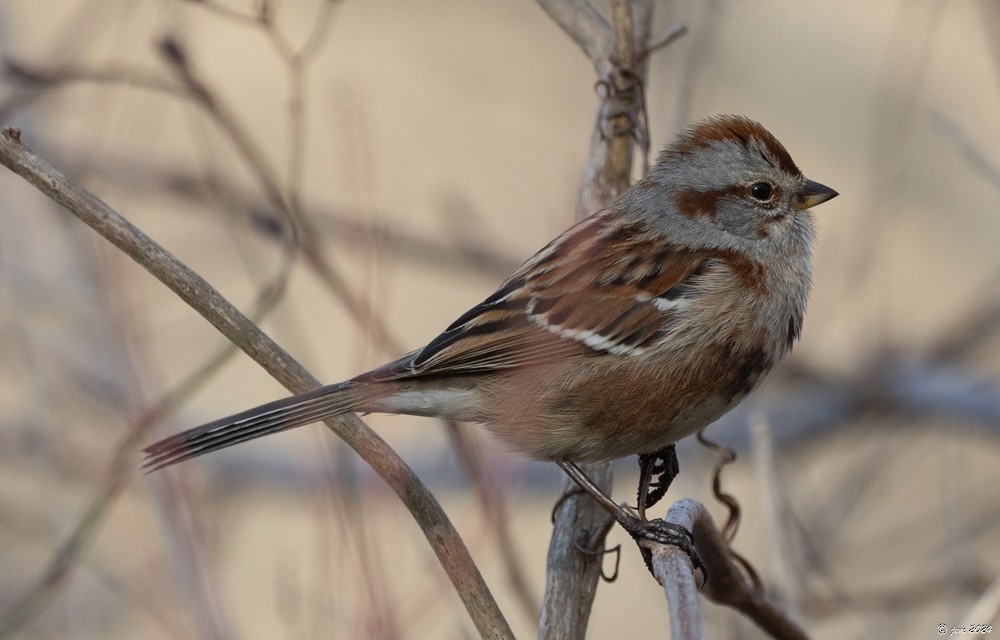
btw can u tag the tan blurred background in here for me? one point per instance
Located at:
(441, 144)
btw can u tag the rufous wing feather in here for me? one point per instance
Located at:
(552, 308)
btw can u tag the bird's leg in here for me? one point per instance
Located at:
(616, 510)
(664, 466)
(657, 530)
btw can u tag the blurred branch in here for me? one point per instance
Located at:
(965, 145)
(37, 80)
(194, 290)
(349, 230)
(790, 589)
(967, 335)
(124, 463)
(42, 78)
(303, 232)
(234, 16)
(495, 512)
(990, 23)
(889, 384)
(188, 85)
(480, 258)
(296, 61)
(982, 321)
(918, 594)
(224, 117)
(664, 39)
(588, 28)
(286, 201)
(492, 503)
(987, 607)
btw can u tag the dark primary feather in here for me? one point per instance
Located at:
(553, 307)
(280, 415)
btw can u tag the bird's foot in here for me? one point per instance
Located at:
(661, 532)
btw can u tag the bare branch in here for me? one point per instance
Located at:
(124, 463)
(790, 589)
(286, 201)
(621, 118)
(988, 605)
(672, 569)
(496, 514)
(573, 565)
(588, 28)
(726, 584)
(664, 39)
(194, 290)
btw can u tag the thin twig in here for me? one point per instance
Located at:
(347, 229)
(664, 39)
(304, 235)
(38, 80)
(231, 15)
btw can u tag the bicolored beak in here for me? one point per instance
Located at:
(812, 194)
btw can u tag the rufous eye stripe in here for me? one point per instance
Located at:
(694, 203)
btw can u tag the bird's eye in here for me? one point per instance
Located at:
(761, 191)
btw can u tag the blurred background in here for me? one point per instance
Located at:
(433, 146)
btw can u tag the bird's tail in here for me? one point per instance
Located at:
(280, 415)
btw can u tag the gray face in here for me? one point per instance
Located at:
(728, 174)
(759, 196)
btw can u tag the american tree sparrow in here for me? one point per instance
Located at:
(636, 327)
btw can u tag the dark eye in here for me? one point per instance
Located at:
(761, 191)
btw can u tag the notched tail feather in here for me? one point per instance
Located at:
(272, 417)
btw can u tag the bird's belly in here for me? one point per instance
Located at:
(622, 406)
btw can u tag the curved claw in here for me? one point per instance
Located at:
(663, 532)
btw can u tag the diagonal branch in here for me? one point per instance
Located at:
(193, 289)
(304, 232)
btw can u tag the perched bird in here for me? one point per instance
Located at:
(636, 327)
